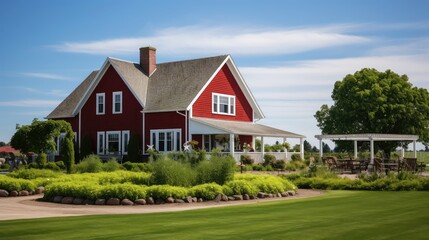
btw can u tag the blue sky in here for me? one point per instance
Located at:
(289, 52)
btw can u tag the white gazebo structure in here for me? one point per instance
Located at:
(368, 137)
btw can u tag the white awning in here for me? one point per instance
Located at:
(368, 137)
(214, 126)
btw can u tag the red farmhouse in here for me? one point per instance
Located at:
(166, 105)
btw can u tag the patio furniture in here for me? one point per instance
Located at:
(332, 163)
(410, 164)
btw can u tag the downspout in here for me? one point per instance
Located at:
(186, 123)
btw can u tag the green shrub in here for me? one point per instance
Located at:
(33, 165)
(242, 187)
(217, 169)
(4, 166)
(279, 164)
(269, 168)
(111, 165)
(206, 191)
(90, 164)
(138, 178)
(33, 173)
(296, 157)
(121, 191)
(170, 172)
(138, 167)
(41, 159)
(52, 166)
(165, 191)
(268, 183)
(11, 184)
(269, 159)
(257, 167)
(61, 165)
(246, 159)
(84, 190)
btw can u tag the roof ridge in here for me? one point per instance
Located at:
(194, 59)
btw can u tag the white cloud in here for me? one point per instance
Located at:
(52, 92)
(46, 76)
(220, 40)
(30, 103)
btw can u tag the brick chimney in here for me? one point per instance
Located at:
(148, 59)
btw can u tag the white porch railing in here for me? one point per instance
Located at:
(258, 156)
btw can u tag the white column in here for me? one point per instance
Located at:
(320, 149)
(414, 149)
(262, 147)
(231, 143)
(301, 147)
(371, 149)
(356, 152)
(402, 151)
(284, 140)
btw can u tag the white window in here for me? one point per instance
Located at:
(100, 143)
(117, 102)
(125, 140)
(100, 104)
(166, 140)
(223, 104)
(113, 142)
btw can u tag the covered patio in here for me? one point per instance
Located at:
(213, 133)
(369, 137)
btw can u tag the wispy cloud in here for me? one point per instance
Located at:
(215, 40)
(46, 76)
(30, 103)
(51, 92)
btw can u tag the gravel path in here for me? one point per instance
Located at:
(28, 207)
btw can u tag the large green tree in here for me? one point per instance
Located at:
(40, 137)
(370, 101)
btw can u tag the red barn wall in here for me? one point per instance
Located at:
(131, 118)
(224, 83)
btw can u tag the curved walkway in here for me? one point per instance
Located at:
(28, 207)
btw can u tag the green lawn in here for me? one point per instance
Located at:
(336, 215)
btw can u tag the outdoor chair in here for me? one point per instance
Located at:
(378, 165)
(410, 164)
(332, 163)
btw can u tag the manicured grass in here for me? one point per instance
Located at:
(336, 215)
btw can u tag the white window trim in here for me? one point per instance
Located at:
(156, 143)
(229, 104)
(113, 102)
(127, 132)
(107, 141)
(97, 103)
(101, 151)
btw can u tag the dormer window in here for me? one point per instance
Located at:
(117, 102)
(223, 104)
(100, 104)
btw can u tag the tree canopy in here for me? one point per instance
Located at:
(40, 136)
(370, 101)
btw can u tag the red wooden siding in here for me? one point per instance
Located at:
(224, 83)
(163, 120)
(130, 119)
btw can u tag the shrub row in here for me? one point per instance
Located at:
(245, 184)
(14, 184)
(380, 184)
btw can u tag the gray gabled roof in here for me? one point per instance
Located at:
(132, 74)
(245, 128)
(174, 85)
(66, 107)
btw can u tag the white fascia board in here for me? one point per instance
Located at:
(91, 87)
(246, 90)
(207, 83)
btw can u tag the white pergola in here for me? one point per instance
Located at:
(368, 137)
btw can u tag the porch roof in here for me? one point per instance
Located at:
(369, 137)
(243, 128)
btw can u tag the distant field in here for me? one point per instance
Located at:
(336, 215)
